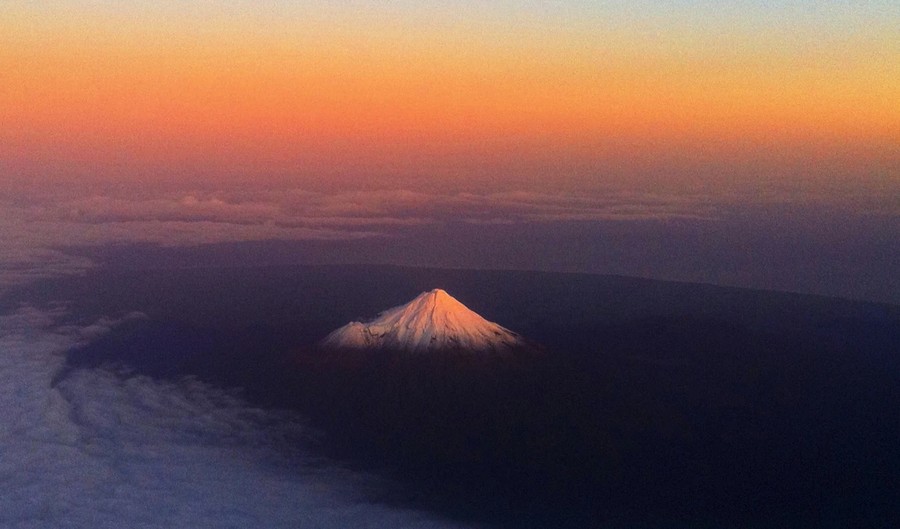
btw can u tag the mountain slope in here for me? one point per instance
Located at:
(433, 321)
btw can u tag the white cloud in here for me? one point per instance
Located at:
(102, 450)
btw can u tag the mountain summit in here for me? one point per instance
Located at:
(433, 321)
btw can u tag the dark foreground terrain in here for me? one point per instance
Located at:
(653, 404)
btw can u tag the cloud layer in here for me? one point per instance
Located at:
(99, 449)
(39, 231)
(36, 232)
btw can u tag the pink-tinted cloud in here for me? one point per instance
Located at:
(35, 231)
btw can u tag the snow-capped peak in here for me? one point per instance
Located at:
(433, 321)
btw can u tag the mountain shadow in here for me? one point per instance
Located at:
(652, 405)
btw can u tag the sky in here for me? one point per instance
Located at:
(197, 122)
(464, 95)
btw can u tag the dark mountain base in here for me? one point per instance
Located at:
(562, 440)
(654, 405)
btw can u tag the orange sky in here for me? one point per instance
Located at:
(338, 99)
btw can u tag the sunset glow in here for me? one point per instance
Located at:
(580, 98)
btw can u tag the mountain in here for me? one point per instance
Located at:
(433, 321)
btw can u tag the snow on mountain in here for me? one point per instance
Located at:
(433, 321)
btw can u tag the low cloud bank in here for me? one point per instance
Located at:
(768, 239)
(36, 230)
(99, 449)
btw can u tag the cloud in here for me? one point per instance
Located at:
(350, 210)
(100, 449)
(36, 232)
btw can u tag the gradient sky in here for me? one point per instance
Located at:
(568, 95)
